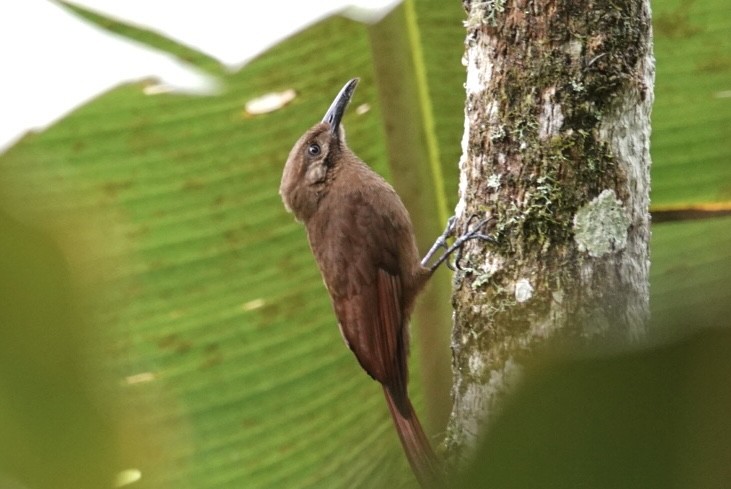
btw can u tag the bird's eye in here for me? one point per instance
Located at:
(313, 149)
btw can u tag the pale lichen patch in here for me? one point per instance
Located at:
(523, 290)
(600, 227)
(476, 364)
(484, 12)
(493, 181)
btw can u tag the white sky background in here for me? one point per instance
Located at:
(53, 61)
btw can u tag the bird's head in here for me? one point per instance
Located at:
(314, 158)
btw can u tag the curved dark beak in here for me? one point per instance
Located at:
(334, 114)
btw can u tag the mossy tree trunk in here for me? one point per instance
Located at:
(556, 150)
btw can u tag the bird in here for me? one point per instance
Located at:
(363, 241)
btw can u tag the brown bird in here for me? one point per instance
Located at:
(363, 241)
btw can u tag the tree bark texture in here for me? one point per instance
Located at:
(556, 151)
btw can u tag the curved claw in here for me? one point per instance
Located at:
(474, 233)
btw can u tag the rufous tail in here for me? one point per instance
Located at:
(421, 457)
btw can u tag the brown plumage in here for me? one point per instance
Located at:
(363, 241)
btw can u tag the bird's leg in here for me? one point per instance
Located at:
(441, 242)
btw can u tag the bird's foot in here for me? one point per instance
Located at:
(441, 243)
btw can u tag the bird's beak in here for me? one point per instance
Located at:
(335, 113)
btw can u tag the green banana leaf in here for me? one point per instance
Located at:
(691, 119)
(209, 352)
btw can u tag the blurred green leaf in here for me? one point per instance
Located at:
(204, 297)
(651, 418)
(689, 276)
(441, 35)
(54, 430)
(691, 119)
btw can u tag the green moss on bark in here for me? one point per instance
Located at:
(576, 60)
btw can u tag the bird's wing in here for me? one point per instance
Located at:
(363, 280)
(370, 321)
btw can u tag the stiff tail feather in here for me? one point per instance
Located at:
(421, 457)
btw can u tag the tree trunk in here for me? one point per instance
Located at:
(556, 151)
